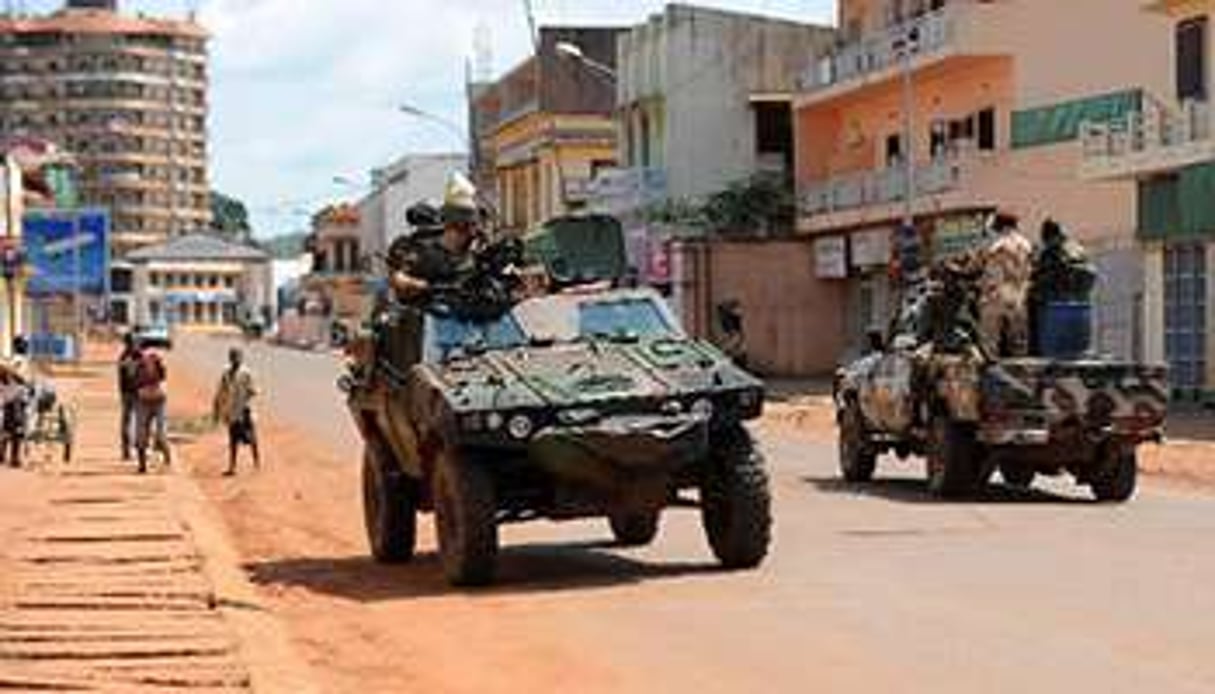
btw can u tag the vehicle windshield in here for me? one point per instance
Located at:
(566, 318)
(448, 336)
(634, 317)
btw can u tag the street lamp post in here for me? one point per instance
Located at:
(575, 52)
(448, 125)
(906, 46)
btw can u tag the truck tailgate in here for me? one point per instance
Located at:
(1031, 400)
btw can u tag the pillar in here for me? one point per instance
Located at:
(1153, 304)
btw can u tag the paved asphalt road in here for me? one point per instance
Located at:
(876, 589)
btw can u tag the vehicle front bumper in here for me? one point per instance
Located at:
(617, 450)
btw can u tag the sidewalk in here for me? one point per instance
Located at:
(114, 581)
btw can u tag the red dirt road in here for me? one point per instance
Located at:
(871, 590)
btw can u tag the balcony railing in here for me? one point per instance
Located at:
(1157, 129)
(876, 52)
(881, 187)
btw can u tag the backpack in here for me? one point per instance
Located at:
(149, 374)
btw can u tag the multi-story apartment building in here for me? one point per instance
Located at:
(995, 91)
(1168, 149)
(705, 94)
(127, 96)
(546, 128)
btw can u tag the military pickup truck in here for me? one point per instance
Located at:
(970, 415)
(570, 405)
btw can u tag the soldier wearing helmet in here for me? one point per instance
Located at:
(448, 257)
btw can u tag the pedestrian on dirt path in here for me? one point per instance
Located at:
(15, 381)
(150, 402)
(233, 407)
(128, 370)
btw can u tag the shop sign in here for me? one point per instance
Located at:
(831, 258)
(957, 234)
(871, 248)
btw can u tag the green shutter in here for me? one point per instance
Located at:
(1196, 193)
(1159, 216)
(1061, 122)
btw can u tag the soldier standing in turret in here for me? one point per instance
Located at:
(1006, 264)
(448, 257)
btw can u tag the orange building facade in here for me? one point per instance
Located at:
(997, 92)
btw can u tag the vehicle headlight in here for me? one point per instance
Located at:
(494, 421)
(703, 408)
(672, 407)
(520, 426)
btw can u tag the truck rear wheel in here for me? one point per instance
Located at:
(953, 468)
(635, 528)
(389, 510)
(858, 460)
(465, 520)
(1117, 474)
(736, 505)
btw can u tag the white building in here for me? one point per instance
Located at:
(704, 97)
(199, 281)
(395, 188)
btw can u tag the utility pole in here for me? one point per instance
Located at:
(908, 241)
(906, 46)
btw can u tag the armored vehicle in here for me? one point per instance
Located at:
(926, 391)
(586, 403)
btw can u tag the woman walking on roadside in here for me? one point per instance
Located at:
(150, 403)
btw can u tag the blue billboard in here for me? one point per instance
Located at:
(68, 251)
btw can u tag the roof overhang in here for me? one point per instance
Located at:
(771, 98)
(1179, 7)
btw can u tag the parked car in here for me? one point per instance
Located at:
(156, 335)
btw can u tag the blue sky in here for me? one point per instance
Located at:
(305, 90)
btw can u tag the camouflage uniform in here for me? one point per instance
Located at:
(1007, 266)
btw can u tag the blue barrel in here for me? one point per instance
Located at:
(1065, 329)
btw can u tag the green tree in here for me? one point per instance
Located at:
(230, 217)
(761, 205)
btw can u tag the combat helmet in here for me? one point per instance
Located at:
(460, 200)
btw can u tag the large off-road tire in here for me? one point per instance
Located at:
(389, 510)
(635, 528)
(858, 459)
(465, 519)
(953, 459)
(1117, 474)
(736, 504)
